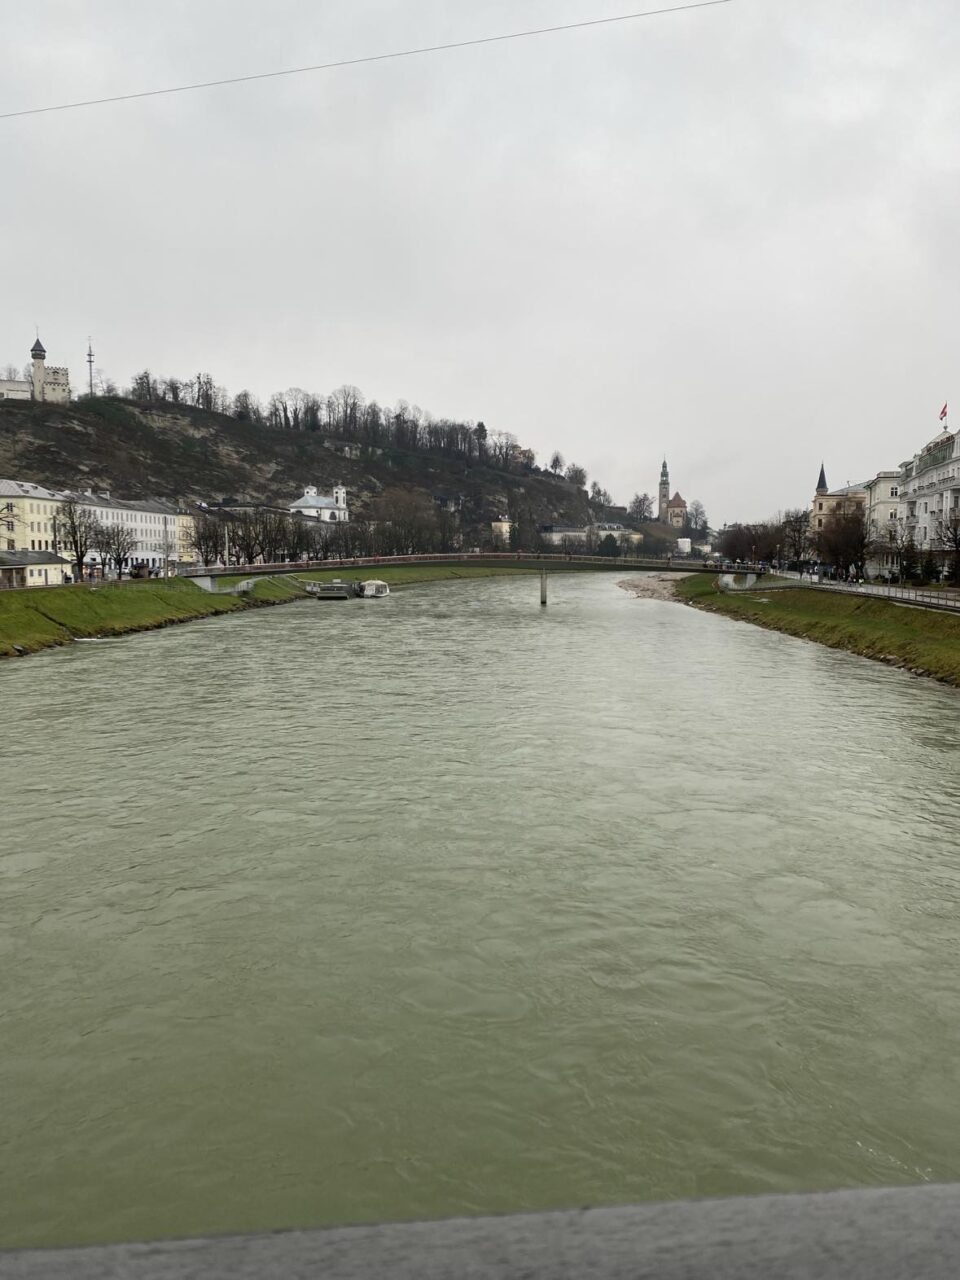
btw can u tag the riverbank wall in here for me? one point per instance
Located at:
(921, 641)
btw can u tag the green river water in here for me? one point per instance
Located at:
(448, 904)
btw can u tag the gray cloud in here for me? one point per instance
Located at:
(727, 235)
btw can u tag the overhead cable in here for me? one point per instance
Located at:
(355, 62)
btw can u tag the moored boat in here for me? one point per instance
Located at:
(373, 589)
(338, 589)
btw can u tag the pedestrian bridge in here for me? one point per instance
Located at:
(512, 559)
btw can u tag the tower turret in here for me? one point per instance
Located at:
(822, 486)
(663, 492)
(38, 372)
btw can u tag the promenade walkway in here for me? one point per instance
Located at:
(945, 599)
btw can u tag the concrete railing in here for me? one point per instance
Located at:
(888, 1234)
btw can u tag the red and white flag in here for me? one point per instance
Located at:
(943, 413)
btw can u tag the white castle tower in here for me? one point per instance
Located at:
(53, 384)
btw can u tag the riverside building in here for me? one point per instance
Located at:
(883, 520)
(161, 532)
(826, 501)
(930, 490)
(27, 516)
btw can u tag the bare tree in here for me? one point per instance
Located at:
(796, 534)
(207, 538)
(406, 523)
(556, 463)
(245, 537)
(144, 386)
(641, 508)
(74, 528)
(101, 543)
(696, 517)
(576, 475)
(122, 542)
(298, 538)
(844, 541)
(948, 536)
(273, 528)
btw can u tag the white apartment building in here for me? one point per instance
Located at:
(154, 525)
(930, 489)
(883, 519)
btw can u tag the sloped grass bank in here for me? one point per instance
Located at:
(48, 616)
(921, 640)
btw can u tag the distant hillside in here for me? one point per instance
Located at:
(184, 453)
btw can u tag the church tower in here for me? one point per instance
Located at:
(664, 497)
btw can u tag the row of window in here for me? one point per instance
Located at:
(128, 517)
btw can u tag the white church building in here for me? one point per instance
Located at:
(51, 385)
(314, 505)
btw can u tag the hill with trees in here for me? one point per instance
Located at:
(189, 441)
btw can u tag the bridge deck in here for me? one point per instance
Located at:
(520, 560)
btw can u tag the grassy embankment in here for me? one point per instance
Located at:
(46, 616)
(922, 640)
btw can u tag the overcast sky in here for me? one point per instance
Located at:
(729, 235)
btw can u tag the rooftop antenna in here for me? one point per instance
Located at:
(90, 363)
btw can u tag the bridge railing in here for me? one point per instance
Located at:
(944, 598)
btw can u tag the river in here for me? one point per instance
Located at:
(448, 904)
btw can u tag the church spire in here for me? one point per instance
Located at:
(822, 486)
(663, 493)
